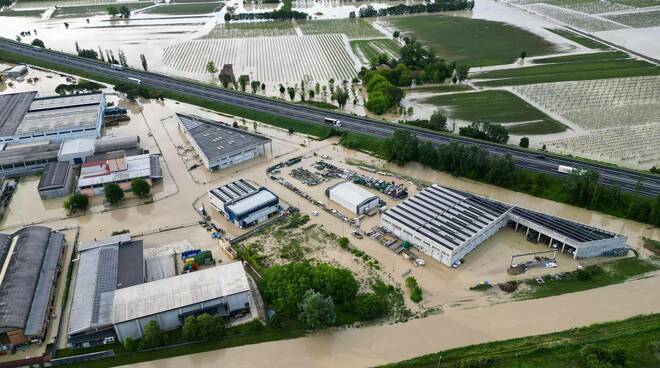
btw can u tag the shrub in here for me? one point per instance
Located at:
(130, 345)
(343, 242)
(113, 193)
(140, 187)
(369, 306)
(153, 336)
(317, 311)
(76, 202)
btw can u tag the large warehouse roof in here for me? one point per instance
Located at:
(352, 193)
(36, 152)
(179, 291)
(234, 191)
(13, 108)
(27, 273)
(252, 202)
(103, 267)
(217, 140)
(451, 217)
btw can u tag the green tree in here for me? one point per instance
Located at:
(211, 68)
(153, 336)
(369, 306)
(143, 60)
(130, 345)
(462, 72)
(341, 95)
(125, 12)
(76, 202)
(140, 187)
(255, 86)
(210, 326)
(88, 53)
(243, 81)
(396, 34)
(523, 55)
(112, 10)
(438, 121)
(343, 242)
(415, 290)
(524, 142)
(292, 93)
(227, 17)
(113, 193)
(402, 147)
(316, 310)
(37, 42)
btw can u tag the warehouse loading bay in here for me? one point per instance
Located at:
(174, 218)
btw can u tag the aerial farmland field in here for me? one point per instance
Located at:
(268, 59)
(258, 29)
(473, 41)
(367, 50)
(640, 19)
(353, 28)
(185, 9)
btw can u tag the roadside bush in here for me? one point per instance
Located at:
(76, 202)
(594, 356)
(153, 336)
(82, 86)
(475, 363)
(130, 345)
(343, 242)
(587, 273)
(415, 290)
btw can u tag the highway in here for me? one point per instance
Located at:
(626, 179)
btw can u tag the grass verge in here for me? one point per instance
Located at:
(185, 9)
(595, 56)
(591, 277)
(638, 336)
(315, 130)
(579, 39)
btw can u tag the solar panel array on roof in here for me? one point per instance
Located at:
(234, 191)
(572, 230)
(447, 217)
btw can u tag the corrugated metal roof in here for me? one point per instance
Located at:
(114, 170)
(13, 108)
(55, 175)
(179, 291)
(351, 193)
(248, 204)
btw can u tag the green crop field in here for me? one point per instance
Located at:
(82, 11)
(258, 29)
(185, 9)
(584, 41)
(21, 13)
(352, 28)
(473, 41)
(443, 88)
(596, 56)
(496, 107)
(638, 337)
(368, 50)
(638, 3)
(568, 71)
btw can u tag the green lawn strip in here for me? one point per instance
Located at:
(88, 10)
(591, 277)
(236, 336)
(320, 105)
(637, 335)
(539, 127)
(185, 9)
(596, 56)
(572, 76)
(473, 41)
(371, 49)
(556, 69)
(315, 130)
(492, 106)
(579, 39)
(22, 13)
(439, 88)
(638, 3)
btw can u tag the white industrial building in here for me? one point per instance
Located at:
(121, 171)
(244, 204)
(220, 145)
(352, 197)
(221, 290)
(25, 117)
(76, 151)
(447, 224)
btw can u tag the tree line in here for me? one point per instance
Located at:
(402, 9)
(581, 188)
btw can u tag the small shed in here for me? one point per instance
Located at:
(352, 197)
(76, 151)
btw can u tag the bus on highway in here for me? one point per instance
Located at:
(138, 81)
(332, 122)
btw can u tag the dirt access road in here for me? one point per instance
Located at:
(371, 346)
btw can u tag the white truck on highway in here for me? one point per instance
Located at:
(116, 66)
(138, 81)
(332, 122)
(565, 169)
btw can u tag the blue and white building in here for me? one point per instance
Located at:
(244, 204)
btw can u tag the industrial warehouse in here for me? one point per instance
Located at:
(447, 224)
(244, 204)
(30, 261)
(219, 145)
(103, 267)
(222, 290)
(26, 118)
(352, 197)
(96, 174)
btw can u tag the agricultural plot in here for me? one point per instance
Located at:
(574, 19)
(82, 11)
(639, 19)
(22, 13)
(589, 6)
(600, 104)
(367, 50)
(579, 39)
(638, 3)
(245, 30)
(568, 71)
(185, 9)
(499, 107)
(476, 42)
(636, 145)
(354, 29)
(596, 56)
(268, 59)
(61, 3)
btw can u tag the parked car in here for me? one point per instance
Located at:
(357, 235)
(315, 213)
(419, 262)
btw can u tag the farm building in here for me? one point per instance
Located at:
(222, 290)
(31, 159)
(17, 71)
(56, 180)
(103, 267)
(447, 224)
(244, 204)
(352, 197)
(25, 117)
(30, 262)
(94, 175)
(219, 145)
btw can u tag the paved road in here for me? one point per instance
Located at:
(625, 179)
